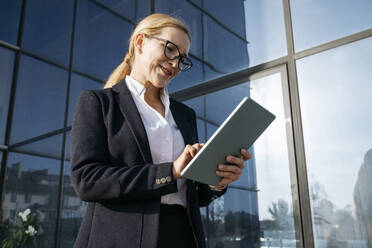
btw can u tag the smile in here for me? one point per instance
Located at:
(166, 70)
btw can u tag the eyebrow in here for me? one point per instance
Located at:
(159, 38)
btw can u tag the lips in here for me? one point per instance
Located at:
(167, 71)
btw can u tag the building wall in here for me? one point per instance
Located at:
(308, 62)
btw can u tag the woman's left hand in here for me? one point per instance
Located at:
(231, 173)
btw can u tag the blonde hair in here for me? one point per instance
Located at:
(151, 25)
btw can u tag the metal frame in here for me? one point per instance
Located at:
(302, 180)
(302, 207)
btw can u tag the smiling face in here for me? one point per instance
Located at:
(151, 67)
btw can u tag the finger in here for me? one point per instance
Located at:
(188, 151)
(229, 168)
(246, 155)
(197, 146)
(235, 160)
(193, 151)
(224, 182)
(228, 175)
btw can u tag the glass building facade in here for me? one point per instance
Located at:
(308, 62)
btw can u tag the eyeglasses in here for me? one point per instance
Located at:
(172, 52)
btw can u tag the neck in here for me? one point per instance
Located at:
(152, 93)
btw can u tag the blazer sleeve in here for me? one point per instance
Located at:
(94, 177)
(205, 194)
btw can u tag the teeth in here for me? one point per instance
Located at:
(167, 71)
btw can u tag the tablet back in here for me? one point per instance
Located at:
(240, 130)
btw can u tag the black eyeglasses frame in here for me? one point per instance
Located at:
(179, 57)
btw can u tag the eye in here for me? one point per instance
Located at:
(169, 48)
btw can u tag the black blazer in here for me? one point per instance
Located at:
(112, 169)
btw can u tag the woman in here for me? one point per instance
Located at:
(130, 142)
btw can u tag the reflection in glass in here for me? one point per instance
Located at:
(9, 17)
(6, 72)
(67, 150)
(50, 147)
(317, 22)
(222, 49)
(72, 212)
(190, 15)
(265, 30)
(257, 209)
(197, 104)
(47, 29)
(222, 10)
(32, 182)
(78, 84)
(101, 40)
(40, 99)
(336, 117)
(143, 9)
(124, 7)
(188, 78)
(73, 209)
(201, 130)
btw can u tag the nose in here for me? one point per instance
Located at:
(174, 63)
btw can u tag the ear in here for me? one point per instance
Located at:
(139, 41)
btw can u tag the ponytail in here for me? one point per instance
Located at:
(120, 72)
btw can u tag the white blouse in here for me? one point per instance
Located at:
(165, 139)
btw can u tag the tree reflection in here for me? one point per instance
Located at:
(334, 227)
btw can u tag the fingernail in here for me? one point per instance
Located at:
(220, 166)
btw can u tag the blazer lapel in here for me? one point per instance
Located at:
(132, 116)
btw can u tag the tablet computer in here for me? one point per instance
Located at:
(240, 130)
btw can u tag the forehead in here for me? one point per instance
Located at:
(177, 36)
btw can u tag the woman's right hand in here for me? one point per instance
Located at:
(188, 153)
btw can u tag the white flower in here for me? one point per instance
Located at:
(24, 214)
(30, 230)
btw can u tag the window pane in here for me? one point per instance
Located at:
(78, 84)
(318, 22)
(9, 17)
(230, 13)
(73, 210)
(197, 2)
(50, 147)
(32, 182)
(40, 99)
(6, 72)
(264, 20)
(101, 40)
(123, 7)
(257, 210)
(197, 104)
(47, 29)
(336, 117)
(188, 78)
(143, 9)
(201, 130)
(223, 50)
(67, 151)
(189, 14)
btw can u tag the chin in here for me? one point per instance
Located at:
(161, 83)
